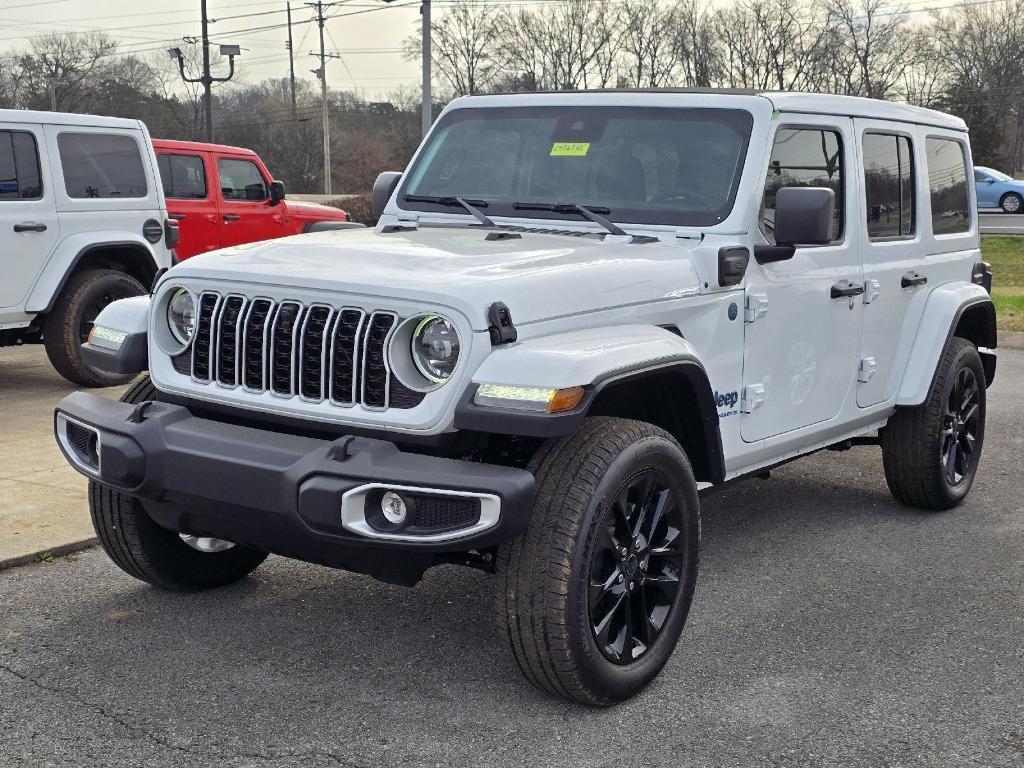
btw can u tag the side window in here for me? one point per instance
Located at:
(947, 183)
(979, 176)
(889, 185)
(19, 166)
(241, 180)
(183, 176)
(805, 157)
(101, 165)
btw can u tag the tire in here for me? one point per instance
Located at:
(548, 575)
(68, 323)
(150, 553)
(1011, 202)
(925, 448)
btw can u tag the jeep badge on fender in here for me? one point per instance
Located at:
(548, 344)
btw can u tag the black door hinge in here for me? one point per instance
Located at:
(502, 330)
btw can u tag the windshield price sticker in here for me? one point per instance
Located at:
(570, 149)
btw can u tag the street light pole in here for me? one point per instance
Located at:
(207, 79)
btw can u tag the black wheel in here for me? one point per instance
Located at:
(1011, 202)
(150, 553)
(67, 326)
(931, 452)
(594, 595)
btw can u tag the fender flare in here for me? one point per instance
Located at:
(945, 307)
(65, 260)
(598, 360)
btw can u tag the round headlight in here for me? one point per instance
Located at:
(435, 348)
(181, 316)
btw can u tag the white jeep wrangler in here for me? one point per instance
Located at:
(82, 224)
(577, 311)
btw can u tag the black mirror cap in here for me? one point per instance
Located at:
(276, 192)
(383, 188)
(803, 215)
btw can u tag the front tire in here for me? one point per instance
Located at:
(594, 595)
(1011, 203)
(151, 553)
(931, 452)
(67, 326)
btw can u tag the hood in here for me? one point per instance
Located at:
(314, 210)
(539, 276)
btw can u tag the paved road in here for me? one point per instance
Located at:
(1001, 224)
(830, 627)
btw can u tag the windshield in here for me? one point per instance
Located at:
(637, 165)
(997, 175)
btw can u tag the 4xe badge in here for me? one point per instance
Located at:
(727, 400)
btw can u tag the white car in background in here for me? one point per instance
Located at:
(82, 224)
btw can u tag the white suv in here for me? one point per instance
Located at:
(82, 224)
(578, 310)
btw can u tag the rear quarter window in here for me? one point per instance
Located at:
(947, 185)
(101, 165)
(19, 167)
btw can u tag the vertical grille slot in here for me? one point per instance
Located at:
(282, 348)
(376, 375)
(313, 352)
(254, 344)
(345, 356)
(202, 345)
(229, 340)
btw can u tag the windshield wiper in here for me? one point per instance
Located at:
(592, 213)
(470, 206)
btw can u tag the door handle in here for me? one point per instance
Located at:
(845, 288)
(30, 227)
(177, 216)
(913, 279)
(230, 217)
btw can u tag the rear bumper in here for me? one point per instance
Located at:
(297, 496)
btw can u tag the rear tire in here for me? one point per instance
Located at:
(1011, 203)
(151, 553)
(67, 325)
(931, 452)
(594, 595)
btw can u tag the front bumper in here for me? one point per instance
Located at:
(297, 496)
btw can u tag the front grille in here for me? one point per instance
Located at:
(315, 352)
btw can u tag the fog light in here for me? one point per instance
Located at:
(392, 506)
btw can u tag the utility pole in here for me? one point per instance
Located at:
(428, 109)
(207, 79)
(322, 74)
(291, 59)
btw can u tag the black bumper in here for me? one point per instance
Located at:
(276, 491)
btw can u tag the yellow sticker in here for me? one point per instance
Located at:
(570, 149)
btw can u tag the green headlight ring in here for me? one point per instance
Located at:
(420, 326)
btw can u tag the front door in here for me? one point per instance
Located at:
(29, 227)
(800, 342)
(245, 209)
(190, 201)
(891, 250)
(985, 185)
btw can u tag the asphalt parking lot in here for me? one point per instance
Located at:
(830, 627)
(1001, 223)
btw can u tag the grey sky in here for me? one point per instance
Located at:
(367, 37)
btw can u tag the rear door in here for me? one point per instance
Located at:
(29, 226)
(246, 214)
(185, 176)
(892, 252)
(800, 343)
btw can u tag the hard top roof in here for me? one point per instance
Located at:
(782, 101)
(66, 118)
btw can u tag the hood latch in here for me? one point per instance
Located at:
(501, 328)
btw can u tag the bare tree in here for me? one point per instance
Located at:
(647, 43)
(871, 43)
(463, 44)
(695, 45)
(66, 62)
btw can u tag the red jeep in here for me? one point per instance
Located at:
(241, 205)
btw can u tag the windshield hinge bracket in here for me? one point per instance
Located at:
(756, 307)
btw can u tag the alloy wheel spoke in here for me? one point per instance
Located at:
(598, 589)
(950, 462)
(604, 625)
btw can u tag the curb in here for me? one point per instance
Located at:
(1010, 339)
(58, 551)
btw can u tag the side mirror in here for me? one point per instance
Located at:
(989, 180)
(803, 216)
(276, 192)
(383, 188)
